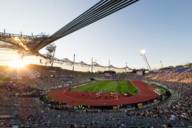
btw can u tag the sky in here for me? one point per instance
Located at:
(162, 27)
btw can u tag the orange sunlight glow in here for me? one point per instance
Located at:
(17, 64)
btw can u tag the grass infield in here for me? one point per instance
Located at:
(120, 86)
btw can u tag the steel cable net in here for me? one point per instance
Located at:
(95, 13)
(20, 41)
(32, 44)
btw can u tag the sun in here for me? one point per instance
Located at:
(17, 64)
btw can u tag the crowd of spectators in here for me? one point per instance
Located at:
(177, 109)
(28, 111)
(178, 74)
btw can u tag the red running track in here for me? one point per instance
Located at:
(145, 93)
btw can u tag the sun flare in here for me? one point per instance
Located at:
(17, 64)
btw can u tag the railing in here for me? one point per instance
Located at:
(3, 34)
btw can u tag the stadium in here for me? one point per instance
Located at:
(105, 94)
(39, 90)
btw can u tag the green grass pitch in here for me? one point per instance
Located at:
(121, 86)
